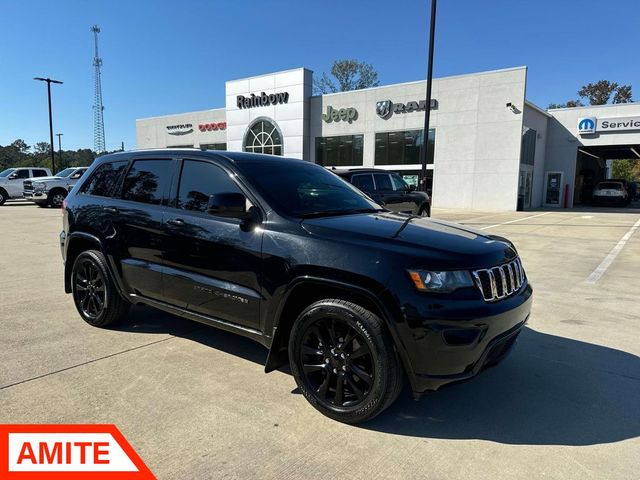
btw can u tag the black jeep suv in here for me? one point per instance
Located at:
(354, 297)
(388, 189)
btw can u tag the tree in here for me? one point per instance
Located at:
(349, 74)
(569, 104)
(599, 93)
(626, 169)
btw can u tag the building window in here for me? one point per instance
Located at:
(528, 146)
(181, 146)
(263, 137)
(402, 148)
(342, 151)
(213, 146)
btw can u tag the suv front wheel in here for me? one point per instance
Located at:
(94, 293)
(343, 361)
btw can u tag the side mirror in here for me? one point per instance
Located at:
(230, 205)
(13, 176)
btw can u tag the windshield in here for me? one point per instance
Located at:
(7, 172)
(610, 186)
(65, 173)
(302, 189)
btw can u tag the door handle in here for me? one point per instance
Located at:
(176, 222)
(110, 209)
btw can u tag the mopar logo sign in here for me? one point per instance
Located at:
(586, 125)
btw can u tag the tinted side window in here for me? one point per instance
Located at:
(40, 173)
(398, 183)
(105, 179)
(198, 181)
(146, 181)
(23, 173)
(363, 182)
(383, 182)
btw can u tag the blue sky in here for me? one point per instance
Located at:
(164, 57)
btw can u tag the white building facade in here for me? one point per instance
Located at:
(488, 148)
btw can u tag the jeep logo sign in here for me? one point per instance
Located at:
(344, 114)
(586, 125)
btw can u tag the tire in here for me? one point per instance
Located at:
(425, 210)
(94, 292)
(3, 196)
(336, 345)
(56, 197)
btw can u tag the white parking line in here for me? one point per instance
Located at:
(517, 220)
(608, 260)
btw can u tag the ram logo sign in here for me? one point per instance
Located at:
(586, 125)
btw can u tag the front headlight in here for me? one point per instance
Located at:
(40, 186)
(440, 282)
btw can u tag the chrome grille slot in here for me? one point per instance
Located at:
(500, 282)
(27, 185)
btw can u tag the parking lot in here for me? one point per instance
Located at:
(195, 403)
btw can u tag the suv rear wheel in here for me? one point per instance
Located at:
(94, 293)
(343, 361)
(3, 196)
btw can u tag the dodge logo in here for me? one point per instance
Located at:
(383, 108)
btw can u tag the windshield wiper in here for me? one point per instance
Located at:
(333, 213)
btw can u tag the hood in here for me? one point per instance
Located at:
(44, 179)
(436, 242)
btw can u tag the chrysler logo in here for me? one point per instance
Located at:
(181, 129)
(383, 108)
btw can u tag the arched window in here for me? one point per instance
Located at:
(263, 136)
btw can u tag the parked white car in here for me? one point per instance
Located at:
(52, 190)
(11, 181)
(610, 192)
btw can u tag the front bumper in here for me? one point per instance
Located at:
(37, 197)
(452, 349)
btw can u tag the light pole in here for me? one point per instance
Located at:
(59, 143)
(49, 82)
(427, 113)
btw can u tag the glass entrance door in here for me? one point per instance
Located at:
(553, 189)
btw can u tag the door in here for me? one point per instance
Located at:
(524, 188)
(212, 266)
(553, 189)
(406, 202)
(14, 185)
(384, 189)
(137, 218)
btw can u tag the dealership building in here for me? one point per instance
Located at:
(488, 147)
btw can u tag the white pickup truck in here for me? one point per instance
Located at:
(52, 191)
(11, 181)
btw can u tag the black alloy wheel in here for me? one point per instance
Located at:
(91, 290)
(344, 361)
(337, 362)
(94, 293)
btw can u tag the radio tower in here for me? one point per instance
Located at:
(98, 108)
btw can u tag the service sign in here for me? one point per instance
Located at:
(590, 125)
(68, 452)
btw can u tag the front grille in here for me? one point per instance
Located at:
(27, 185)
(499, 282)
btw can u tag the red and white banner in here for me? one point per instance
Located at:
(35, 452)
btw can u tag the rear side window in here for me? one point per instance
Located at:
(40, 173)
(147, 181)
(363, 182)
(383, 181)
(198, 181)
(105, 179)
